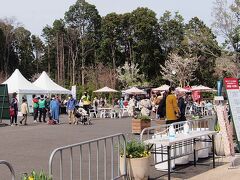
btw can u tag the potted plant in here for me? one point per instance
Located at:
(36, 176)
(139, 123)
(137, 160)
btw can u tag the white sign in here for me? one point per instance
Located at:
(74, 91)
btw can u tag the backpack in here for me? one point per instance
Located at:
(11, 111)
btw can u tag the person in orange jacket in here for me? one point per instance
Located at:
(172, 110)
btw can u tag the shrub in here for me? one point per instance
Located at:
(135, 149)
(36, 176)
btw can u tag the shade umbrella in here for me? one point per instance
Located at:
(179, 89)
(162, 88)
(201, 88)
(105, 89)
(134, 90)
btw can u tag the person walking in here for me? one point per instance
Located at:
(54, 109)
(181, 106)
(14, 109)
(42, 108)
(71, 103)
(35, 107)
(172, 110)
(24, 111)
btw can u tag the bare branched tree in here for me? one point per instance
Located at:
(178, 70)
(226, 65)
(129, 75)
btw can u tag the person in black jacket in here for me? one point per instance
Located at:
(181, 106)
(161, 111)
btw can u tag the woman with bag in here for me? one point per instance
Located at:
(13, 109)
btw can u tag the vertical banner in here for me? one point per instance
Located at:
(74, 91)
(233, 93)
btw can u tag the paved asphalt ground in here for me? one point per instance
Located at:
(29, 147)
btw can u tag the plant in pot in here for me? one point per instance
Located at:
(137, 160)
(140, 122)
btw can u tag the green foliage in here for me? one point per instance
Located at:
(135, 149)
(143, 118)
(36, 176)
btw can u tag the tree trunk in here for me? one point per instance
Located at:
(49, 65)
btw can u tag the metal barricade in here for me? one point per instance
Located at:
(9, 167)
(105, 152)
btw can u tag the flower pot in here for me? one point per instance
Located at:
(137, 168)
(138, 125)
(219, 145)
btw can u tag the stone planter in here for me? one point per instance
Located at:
(138, 125)
(137, 168)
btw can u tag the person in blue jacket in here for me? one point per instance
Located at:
(71, 103)
(54, 109)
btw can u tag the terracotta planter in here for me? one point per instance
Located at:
(138, 125)
(137, 168)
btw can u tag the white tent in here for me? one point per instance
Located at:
(134, 90)
(201, 88)
(19, 84)
(162, 88)
(105, 89)
(46, 83)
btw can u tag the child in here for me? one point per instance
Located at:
(24, 111)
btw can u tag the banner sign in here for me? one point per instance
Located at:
(74, 91)
(233, 93)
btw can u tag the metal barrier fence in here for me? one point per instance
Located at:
(9, 167)
(89, 151)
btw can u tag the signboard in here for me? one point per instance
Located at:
(233, 93)
(74, 91)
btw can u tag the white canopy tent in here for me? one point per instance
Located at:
(202, 88)
(105, 89)
(46, 83)
(134, 90)
(19, 84)
(162, 88)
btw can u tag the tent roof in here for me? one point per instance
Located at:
(106, 89)
(18, 83)
(134, 90)
(201, 88)
(46, 83)
(162, 88)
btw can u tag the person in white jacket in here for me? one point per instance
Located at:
(24, 111)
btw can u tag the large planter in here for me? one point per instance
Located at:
(137, 168)
(138, 125)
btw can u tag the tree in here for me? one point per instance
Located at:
(24, 51)
(178, 70)
(171, 32)
(129, 75)
(201, 42)
(38, 48)
(85, 18)
(227, 22)
(226, 66)
(146, 50)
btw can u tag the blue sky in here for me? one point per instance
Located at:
(34, 15)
